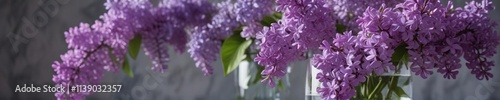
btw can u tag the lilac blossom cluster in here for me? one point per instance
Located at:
(103, 45)
(250, 13)
(347, 11)
(206, 40)
(434, 36)
(83, 63)
(304, 25)
(437, 36)
(168, 26)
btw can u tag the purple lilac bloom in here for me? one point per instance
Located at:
(203, 49)
(90, 47)
(348, 11)
(83, 63)
(424, 22)
(167, 25)
(341, 67)
(441, 35)
(103, 45)
(276, 52)
(250, 13)
(205, 42)
(154, 41)
(303, 26)
(480, 39)
(345, 63)
(308, 21)
(435, 36)
(380, 36)
(121, 23)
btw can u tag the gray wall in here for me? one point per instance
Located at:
(28, 60)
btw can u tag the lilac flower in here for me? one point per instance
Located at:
(224, 22)
(276, 52)
(186, 13)
(442, 35)
(83, 37)
(425, 20)
(154, 42)
(206, 40)
(303, 26)
(342, 67)
(83, 63)
(103, 45)
(348, 11)
(204, 49)
(309, 22)
(175, 16)
(434, 36)
(167, 25)
(480, 39)
(250, 13)
(120, 24)
(251, 30)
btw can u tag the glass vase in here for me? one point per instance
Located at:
(392, 85)
(251, 87)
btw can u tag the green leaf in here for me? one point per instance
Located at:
(233, 52)
(407, 82)
(400, 56)
(126, 68)
(393, 84)
(277, 15)
(240, 98)
(281, 86)
(405, 59)
(267, 21)
(134, 46)
(273, 18)
(340, 28)
(400, 92)
(359, 94)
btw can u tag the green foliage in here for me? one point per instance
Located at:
(273, 18)
(400, 56)
(134, 46)
(233, 51)
(340, 28)
(126, 68)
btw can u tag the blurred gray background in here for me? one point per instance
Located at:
(31, 39)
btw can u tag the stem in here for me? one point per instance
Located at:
(393, 83)
(367, 85)
(376, 88)
(358, 92)
(388, 96)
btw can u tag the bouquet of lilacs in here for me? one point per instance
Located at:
(350, 40)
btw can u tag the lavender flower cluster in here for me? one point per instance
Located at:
(206, 40)
(250, 13)
(347, 11)
(305, 23)
(435, 37)
(103, 45)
